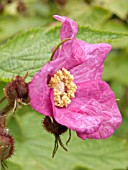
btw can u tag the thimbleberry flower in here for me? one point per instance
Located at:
(71, 90)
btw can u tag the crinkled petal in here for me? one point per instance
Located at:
(75, 118)
(38, 88)
(71, 51)
(106, 129)
(83, 136)
(66, 51)
(93, 105)
(93, 56)
(68, 30)
(69, 27)
(109, 110)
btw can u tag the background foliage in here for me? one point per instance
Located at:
(27, 34)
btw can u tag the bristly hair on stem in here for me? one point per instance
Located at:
(3, 165)
(2, 99)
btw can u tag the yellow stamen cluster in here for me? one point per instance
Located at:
(64, 87)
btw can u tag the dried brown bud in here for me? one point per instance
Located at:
(17, 89)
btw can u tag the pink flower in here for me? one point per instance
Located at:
(92, 112)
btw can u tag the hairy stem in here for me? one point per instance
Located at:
(3, 98)
(6, 109)
(2, 121)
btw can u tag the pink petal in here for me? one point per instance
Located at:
(83, 136)
(38, 88)
(93, 56)
(68, 30)
(93, 105)
(74, 117)
(69, 27)
(66, 51)
(109, 110)
(70, 51)
(106, 130)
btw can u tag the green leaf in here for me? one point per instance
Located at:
(87, 15)
(10, 25)
(11, 22)
(13, 166)
(118, 7)
(116, 66)
(115, 25)
(30, 50)
(34, 147)
(96, 36)
(81, 168)
(2, 86)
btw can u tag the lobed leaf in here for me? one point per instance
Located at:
(30, 50)
(117, 7)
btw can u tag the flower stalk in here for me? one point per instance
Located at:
(3, 98)
(55, 49)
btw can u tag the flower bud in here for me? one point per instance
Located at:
(17, 89)
(6, 145)
(53, 127)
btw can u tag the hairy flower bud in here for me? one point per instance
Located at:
(6, 145)
(53, 127)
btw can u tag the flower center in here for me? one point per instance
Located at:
(64, 87)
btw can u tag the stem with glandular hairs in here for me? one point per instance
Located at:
(3, 98)
(7, 108)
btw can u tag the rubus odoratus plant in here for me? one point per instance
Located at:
(68, 91)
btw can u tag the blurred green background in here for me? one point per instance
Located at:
(33, 145)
